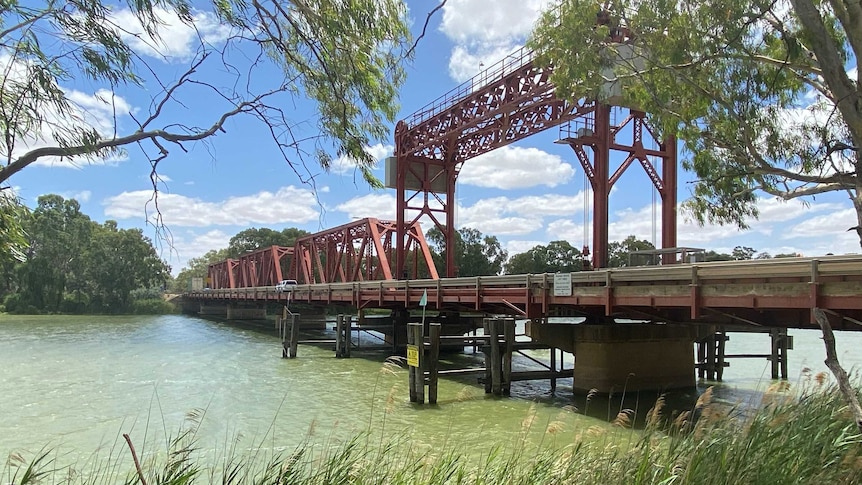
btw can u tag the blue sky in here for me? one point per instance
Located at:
(525, 194)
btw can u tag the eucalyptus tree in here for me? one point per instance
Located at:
(118, 262)
(619, 251)
(763, 94)
(346, 57)
(556, 256)
(254, 238)
(67, 67)
(475, 253)
(197, 267)
(59, 234)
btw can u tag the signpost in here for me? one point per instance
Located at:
(563, 284)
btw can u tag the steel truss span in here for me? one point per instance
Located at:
(359, 251)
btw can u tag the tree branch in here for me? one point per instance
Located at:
(424, 28)
(847, 390)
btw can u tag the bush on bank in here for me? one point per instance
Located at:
(808, 439)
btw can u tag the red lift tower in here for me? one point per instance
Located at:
(508, 102)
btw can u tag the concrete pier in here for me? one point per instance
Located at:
(246, 313)
(212, 309)
(634, 357)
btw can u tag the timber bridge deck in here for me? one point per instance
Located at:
(760, 293)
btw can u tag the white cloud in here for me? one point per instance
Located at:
(189, 244)
(469, 20)
(176, 41)
(287, 205)
(516, 167)
(378, 152)
(826, 225)
(486, 32)
(504, 216)
(466, 62)
(380, 206)
(819, 228)
(82, 196)
(514, 247)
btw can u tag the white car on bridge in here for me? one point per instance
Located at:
(285, 285)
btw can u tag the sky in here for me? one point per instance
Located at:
(525, 194)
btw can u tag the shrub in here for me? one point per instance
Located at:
(152, 306)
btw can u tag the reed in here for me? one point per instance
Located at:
(804, 438)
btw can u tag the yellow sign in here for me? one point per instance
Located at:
(413, 356)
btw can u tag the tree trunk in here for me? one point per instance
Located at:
(831, 361)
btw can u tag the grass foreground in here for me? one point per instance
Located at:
(806, 438)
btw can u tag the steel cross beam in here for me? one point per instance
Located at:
(358, 251)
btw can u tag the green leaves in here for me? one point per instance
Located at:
(344, 56)
(741, 83)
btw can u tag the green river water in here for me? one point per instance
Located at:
(77, 383)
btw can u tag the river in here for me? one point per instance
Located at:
(75, 384)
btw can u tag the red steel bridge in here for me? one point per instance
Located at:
(387, 264)
(366, 262)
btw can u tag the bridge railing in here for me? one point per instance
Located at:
(500, 69)
(798, 270)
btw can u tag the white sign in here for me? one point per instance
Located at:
(563, 284)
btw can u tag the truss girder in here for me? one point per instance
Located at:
(265, 267)
(359, 251)
(519, 104)
(222, 275)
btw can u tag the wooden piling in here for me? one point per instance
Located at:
(496, 358)
(509, 346)
(720, 352)
(710, 357)
(293, 334)
(348, 335)
(775, 358)
(554, 369)
(415, 362)
(486, 328)
(339, 335)
(778, 356)
(433, 366)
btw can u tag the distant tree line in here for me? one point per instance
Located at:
(67, 263)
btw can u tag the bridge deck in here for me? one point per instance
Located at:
(769, 293)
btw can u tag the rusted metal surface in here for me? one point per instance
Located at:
(359, 251)
(510, 101)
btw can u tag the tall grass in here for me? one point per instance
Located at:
(804, 438)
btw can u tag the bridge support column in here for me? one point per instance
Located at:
(243, 313)
(633, 357)
(780, 345)
(711, 355)
(213, 309)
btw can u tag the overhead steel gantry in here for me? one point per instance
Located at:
(511, 101)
